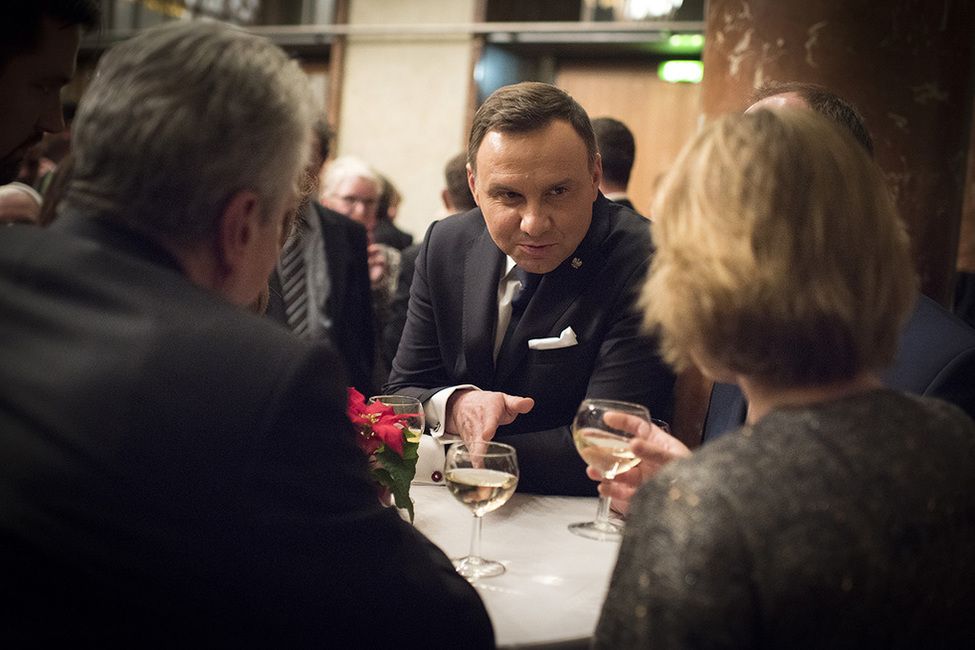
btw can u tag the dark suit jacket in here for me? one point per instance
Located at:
(349, 304)
(625, 202)
(936, 357)
(401, 300)
(387, 233)
(178, 472)
(449, 336)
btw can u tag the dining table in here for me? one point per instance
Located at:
(554, 583)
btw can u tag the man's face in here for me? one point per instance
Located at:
(536, 191)
(30, 92)
(357, 198)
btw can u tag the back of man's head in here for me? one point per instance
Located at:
(20, 28)
(824, 102)
(458, 189)
(181, 118)
(617, 149)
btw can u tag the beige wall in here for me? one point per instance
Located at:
(662, 116)
(404, 100)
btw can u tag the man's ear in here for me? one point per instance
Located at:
(597, 171)
(470, 182)
(237, 230)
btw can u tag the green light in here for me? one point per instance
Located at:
(675, 71)
(686, 40)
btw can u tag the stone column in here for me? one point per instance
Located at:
(908, 65)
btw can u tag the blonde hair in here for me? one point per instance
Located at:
(780, 253)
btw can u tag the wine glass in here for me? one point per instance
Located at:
(415, 421)
(608, 451)
(482, 476)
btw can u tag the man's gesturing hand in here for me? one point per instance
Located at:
(475, 415)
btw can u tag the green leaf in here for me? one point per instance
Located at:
(396, 472)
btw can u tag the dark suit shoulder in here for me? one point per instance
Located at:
(936, 356)
(617, 236)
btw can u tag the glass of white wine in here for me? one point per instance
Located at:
(606, 449)
(482, 476)
(415, 420)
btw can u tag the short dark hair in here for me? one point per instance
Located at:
(455, 173)
(824, 102)
(617, 148)
(20, 29)
(525, 107)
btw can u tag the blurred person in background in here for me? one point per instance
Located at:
(352, 187)
(386, 231)
(320, 287)
(936, 353)
(20, 203)
(618, 150)
(38, 46)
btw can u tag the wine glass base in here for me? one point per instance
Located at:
(477, 567)
(601, 531)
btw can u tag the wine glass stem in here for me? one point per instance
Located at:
(602, 512)
(475, 553)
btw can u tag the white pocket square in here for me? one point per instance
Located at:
(565, 340)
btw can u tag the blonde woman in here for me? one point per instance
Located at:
(843, 514)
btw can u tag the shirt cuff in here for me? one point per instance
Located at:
(435, 409)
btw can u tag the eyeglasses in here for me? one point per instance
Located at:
(364, 202)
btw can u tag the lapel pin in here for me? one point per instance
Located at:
(576, 262)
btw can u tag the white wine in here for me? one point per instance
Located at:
(609, 454)
(481, 490)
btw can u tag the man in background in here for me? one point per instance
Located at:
(19, 203)
(38, 47)
(386, 230)
(936, 355)
(320, 286)
(179, 472)
(618, 151)
(523, 307)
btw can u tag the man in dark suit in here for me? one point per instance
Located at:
(617, 148)
(936, 355)
(936, 358)
(542, 225)
(325, 268)
(176, 470)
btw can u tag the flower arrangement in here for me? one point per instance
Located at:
(392, 448)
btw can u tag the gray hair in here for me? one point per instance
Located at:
(181, 118)
(348, 167)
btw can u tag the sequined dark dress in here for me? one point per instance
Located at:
(847, 524)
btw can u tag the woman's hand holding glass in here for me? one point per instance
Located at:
(652, 444)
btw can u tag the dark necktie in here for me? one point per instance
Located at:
(294, 284)
(529, 282)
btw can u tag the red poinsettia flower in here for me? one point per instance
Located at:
(382, 436)
(376, 424)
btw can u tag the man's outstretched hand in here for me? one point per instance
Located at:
(475, 415)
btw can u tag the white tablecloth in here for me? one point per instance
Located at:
(555, 582)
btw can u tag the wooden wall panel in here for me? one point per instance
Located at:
(661, 115)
